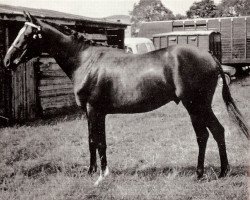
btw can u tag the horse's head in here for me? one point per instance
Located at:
(26, 45)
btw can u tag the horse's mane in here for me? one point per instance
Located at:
(80, 37)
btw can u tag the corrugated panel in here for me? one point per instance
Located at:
(203, 42)
(157, 42)
(149, 29)
(213, 24)
(164, 42)
(182, 39)
(239, 28)
(226, 28)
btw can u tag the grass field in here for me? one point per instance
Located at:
(151, 156)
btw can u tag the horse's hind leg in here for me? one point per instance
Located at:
(218, 133)
(199, 125)
(202, 117)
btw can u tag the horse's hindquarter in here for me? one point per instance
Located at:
(196, 73)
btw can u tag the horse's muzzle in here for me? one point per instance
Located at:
(11, 65)
(6, 62)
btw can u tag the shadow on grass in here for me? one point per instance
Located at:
(153, 172)
(76, 170)
(50, 118)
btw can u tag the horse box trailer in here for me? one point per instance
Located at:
(205, 40)
(235, 35)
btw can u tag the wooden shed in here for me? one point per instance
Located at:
(39, 86)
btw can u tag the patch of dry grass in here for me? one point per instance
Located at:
(151, 156)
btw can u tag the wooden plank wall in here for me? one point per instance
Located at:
(2, 76)
(5, 79)
(55, 89)
(24, 92)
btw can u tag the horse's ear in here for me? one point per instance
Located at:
(29, 17)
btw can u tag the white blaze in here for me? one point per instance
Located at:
(17, 38)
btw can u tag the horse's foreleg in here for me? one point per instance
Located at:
(92, 139)
(101, 146)
(217, 131)
(97, 140)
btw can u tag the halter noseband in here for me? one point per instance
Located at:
(33, 25)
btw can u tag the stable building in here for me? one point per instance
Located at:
(40, 86)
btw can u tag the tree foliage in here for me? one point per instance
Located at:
(203, 9)
(227, 8)
(149, 10)
(230, 8)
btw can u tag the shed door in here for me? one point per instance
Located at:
(5, 96)
(24, 89)
(5, 80)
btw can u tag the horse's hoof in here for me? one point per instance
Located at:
(224, 172)
(199, 173)
(92, 169)
(103, 174)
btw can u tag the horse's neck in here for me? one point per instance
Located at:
(62, 48)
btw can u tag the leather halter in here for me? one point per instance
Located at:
(20, 33)
(28, 24)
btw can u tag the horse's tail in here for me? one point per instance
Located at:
(232, 109)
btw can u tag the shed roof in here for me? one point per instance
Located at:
(8, 12)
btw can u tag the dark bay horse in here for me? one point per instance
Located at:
(107, 81)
